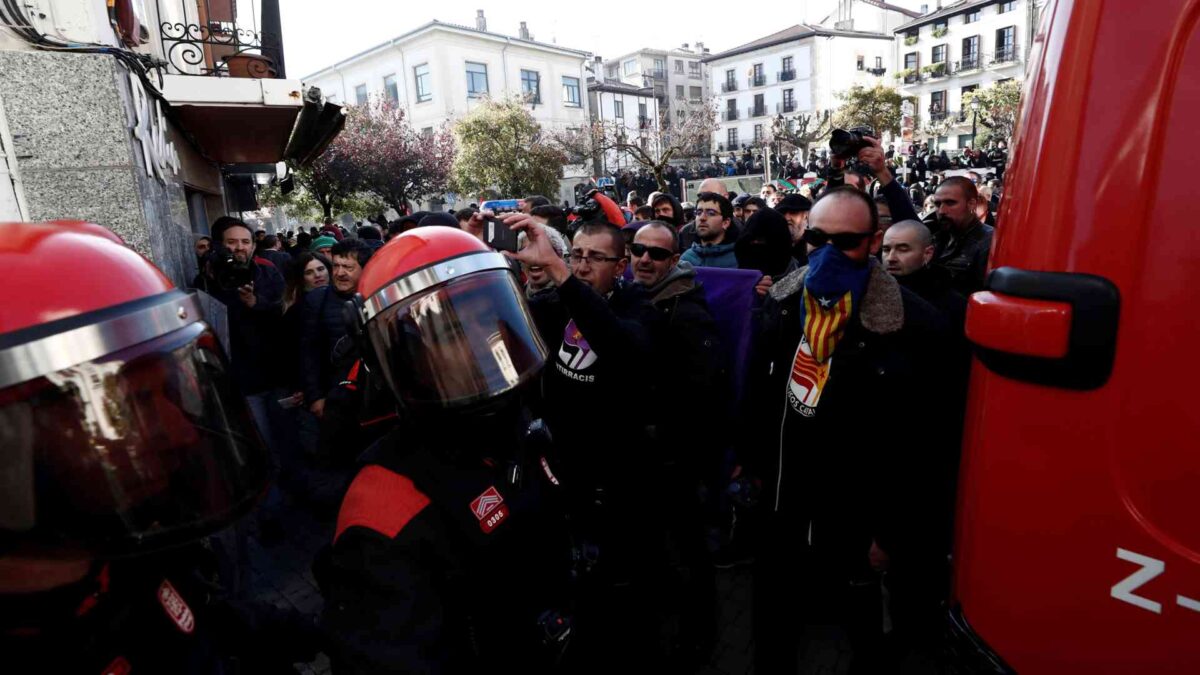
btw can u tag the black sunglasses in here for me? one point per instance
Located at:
(656, 252)
(843, 241)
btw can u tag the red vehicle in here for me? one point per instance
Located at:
(1078, 542)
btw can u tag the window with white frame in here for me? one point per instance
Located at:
(360, 94)
(424, 83)
(571, 96)
(390, 88)
(477, 79)
(531, 86)
(618, 109)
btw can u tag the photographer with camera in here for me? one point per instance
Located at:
(251, 289)
(859, 143)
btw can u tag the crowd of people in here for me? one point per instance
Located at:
(540, 454)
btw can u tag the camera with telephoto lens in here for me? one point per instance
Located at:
(230, 274)
(589, 209)
(845, 143)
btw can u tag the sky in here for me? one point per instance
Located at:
(318, 33)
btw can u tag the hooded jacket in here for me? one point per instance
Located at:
(765, 244)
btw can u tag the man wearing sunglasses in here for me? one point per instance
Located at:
(851, 489)
(689, 359)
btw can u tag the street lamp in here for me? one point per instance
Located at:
(974, 119)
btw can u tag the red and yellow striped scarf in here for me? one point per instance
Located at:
(825, 326)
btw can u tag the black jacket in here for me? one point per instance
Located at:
(933, 285)
(693, 367)
(439, 563)
(857, 469)
(965, 256)
(592, 402)
(322, 360)
(252, 330)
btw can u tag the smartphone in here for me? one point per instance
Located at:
(498, 235)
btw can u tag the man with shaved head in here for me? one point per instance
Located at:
(908, 250)
(856, 358)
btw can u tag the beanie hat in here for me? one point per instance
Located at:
(438, 218)
(322, 242)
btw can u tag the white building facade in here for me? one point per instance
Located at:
(679, 78)
(968, 45)
(798, 70)
(440, 71)
(633, 110)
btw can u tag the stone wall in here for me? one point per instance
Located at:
(70, 116)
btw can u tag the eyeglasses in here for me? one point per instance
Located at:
(711, 213)
(657, 253)
(843, 241)
(593, 258)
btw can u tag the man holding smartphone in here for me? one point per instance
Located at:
(598, 331)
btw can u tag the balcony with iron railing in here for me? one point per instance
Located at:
(728, 86)
(785, 107)
(731, 114)
(644, 122)
(239, 56)
(757, 80)
(207, 37)
(657, 73)
(756, 111)
(1006, 55)
(787, 75)
(968, 62)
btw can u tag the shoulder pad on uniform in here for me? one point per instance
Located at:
(381, 500)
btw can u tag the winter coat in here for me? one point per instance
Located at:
(965, 256)
(252, 330)
(855, 468)
(322, 361)
(719, 255)
(689, 348)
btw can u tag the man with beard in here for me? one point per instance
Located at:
(714, 215)
(687, 235)
(324, 357)
(963, 243)
(795, 209)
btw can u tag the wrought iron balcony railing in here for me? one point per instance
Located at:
(728, 86)
(787, 75)
(731, 114)
(968, 62)
(209, 39)
(754, 111)
(1006, 54)
(757, 80)
(785, 107)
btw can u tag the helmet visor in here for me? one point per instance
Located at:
(462, 342)
(145, 447)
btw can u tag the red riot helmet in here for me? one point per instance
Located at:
(120, 428)
(446, 321)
